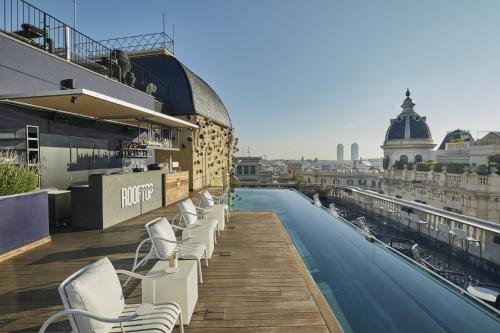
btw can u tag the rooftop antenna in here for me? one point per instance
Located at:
(248, 151)
(163, 29)
(74, 23)
(74, 14)
(173, 38)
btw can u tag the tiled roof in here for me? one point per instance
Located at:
(186, 92)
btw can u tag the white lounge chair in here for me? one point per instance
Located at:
(193, 216)
(163, 243)
(210, 200)
(93, 301)
(220, 212)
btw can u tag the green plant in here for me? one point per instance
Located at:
(426, 166)
(15, 175)
(483, 170)
(300, 182)
(494, 161)
(400, 165)
(234, 182)
(455, 167)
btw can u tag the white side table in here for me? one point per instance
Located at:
(202, 234)
(181, 287)
(217, 212)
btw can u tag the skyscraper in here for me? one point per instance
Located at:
(354, 152)
(340, 152)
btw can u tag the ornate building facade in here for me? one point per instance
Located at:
(469, 189)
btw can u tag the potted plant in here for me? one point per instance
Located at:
(24, 221)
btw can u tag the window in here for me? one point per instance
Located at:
(418, 158)
(245, 169)
(386, 162)
(252, 169)
(350, 182)
(238, 170)
(404, 158)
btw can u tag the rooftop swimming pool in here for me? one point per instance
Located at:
(369, 287)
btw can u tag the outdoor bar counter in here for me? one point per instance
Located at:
(109, 199)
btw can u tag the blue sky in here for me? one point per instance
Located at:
(299, 77)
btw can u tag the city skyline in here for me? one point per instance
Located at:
(329, 71)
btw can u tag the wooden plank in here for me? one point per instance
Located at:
(262, 287)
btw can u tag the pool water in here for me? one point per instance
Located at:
(369, 287)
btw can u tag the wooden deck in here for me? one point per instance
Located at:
(262, 287)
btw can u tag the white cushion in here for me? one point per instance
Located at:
(207, 199)
(187, 206)
(96, 290)
(162, 228)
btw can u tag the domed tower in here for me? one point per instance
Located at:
(408, 137)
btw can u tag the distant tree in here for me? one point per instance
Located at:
(300, 182)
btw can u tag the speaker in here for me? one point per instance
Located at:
(68, 83)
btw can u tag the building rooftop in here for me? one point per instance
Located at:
(456, 135)
(408, 125)
(253, 289)
(186, 93)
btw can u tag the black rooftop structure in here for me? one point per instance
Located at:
(186, 93)
(458, 134)
(409, 124)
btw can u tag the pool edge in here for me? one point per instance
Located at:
(326, 312)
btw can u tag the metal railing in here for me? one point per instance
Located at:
(154, 41)
(39, 29)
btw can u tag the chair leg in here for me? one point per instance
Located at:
(181, 323)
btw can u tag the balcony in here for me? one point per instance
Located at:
(29, 25)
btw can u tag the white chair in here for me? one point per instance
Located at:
(462, 236)
(213, 210)
(93, 301)
(445, 229)
(413, 218)
(163, 243)
(208, 200)
(403, 216)
(193, 216)
(415, 250)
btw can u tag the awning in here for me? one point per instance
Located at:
(88, 103)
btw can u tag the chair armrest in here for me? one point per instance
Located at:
(167, 271)
(177, 227)
(193, 214)
(165, 240)
(142, 310)
(194, 225)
